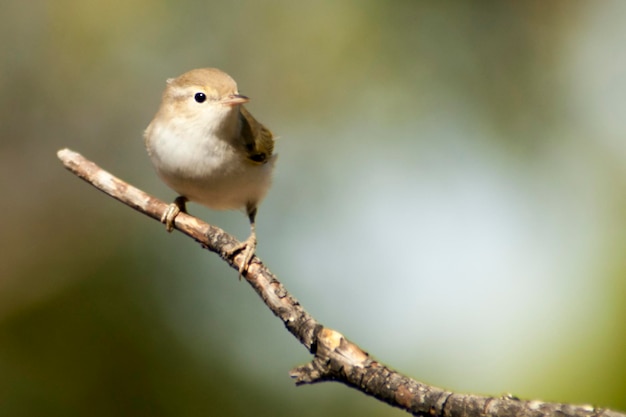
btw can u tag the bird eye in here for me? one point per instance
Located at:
(200, 97)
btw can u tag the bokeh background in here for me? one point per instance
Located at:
(450, 194)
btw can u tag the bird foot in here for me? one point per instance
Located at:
(172, 211)
(247, 247)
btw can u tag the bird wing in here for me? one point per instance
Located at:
(258, 141)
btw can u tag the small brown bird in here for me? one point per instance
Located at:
(208, 148)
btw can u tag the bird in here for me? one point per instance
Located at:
(207, 147)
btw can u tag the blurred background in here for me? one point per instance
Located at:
(450, 195)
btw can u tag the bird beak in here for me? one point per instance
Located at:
(234, 99)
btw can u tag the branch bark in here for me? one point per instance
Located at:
(335, 357)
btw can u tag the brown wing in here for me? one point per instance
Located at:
(258, 141)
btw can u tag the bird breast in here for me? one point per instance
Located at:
(205, 168)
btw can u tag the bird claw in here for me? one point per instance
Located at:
(172, 211)
(169, 216)
(247, 247)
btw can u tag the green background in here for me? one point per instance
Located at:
(450, 194)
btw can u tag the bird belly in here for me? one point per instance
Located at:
(224, 189)
(211, 173)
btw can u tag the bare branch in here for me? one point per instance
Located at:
(335, 357)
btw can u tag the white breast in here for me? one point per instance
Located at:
(204, 168)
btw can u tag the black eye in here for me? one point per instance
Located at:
(200, 97)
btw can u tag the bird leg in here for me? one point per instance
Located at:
(248, 246)
(172, 211)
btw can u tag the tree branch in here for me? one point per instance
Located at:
(335, 357)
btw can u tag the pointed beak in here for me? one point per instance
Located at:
(234, 99)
